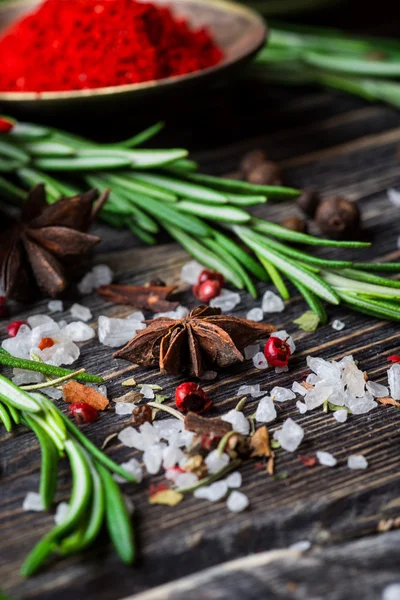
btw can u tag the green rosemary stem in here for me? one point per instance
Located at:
(49, 370)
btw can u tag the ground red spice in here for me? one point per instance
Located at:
(81, 44)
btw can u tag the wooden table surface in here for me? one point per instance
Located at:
(339, 145)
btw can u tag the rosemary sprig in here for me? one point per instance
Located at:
(160, 189)
(95, 496)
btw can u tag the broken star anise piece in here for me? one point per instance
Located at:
(203, 340)
(34, 250)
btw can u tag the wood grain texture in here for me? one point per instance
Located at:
(336, 144)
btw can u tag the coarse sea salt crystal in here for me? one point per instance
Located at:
(146, 391)
(55, 306)
(61, 513)
(152, 458)
(171, 456)
(290, 436)
(272, 303)
(317, 396)
(215, 462)
(52, 392)
(183, 480)
(117, 332)
(279, 370)
(86, 284)
(255, 314)
(234, 480)
(217, 491)
(131, 438)
(60, 354)
(226, 301)
(393, 196)
(259, 361)
(149, 435)
(394, 381)
(179, 313)
(24, 377)
(377, 389)
(281, 394)
(338, 325)
(340, 415)
(237, 502)
(102, 275)
(133, 468)
(312, 379)
(301, 407)
(238, 420)
(391, 592)
(357, 461)
(124, 408)
(353, 377)
(190, 272)
(136, 316)
(301, 546)
(359, 406)
(324, 369)
(297, 388)
(201, 493)
(266, 411)
(80, 312)
(33, 501)
(326, 458)
(77, 331)
(251, 351)
(252, 390)
(36, 320)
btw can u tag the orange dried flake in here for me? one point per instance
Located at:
(306, 385)
(388, 401)
(46, 342)
(76, 392)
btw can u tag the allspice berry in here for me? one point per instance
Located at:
(295, 224)
(267, 173)
(251, 160)
(308, 202)
(338, 218)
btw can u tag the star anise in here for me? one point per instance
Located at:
(203, 340)
(35, 250)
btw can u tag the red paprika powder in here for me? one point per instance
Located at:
(83, 44)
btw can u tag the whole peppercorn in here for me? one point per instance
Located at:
(208, 290)
(308, 202)
(277, 352)
(338, 217)
(266, 173)
(190, 396)
(295, 224)
(206, 275)
(13, 328)
(252, 159)
(83, 413)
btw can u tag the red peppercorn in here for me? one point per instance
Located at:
(190, 396)
(83, 413)
(394, 358)
(46, 342)
(277, 352)
(13, 328)
(207, 275)
(207, 291)
(5, 125)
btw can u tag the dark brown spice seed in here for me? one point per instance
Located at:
(295, 224)
(251, 160)
(267, 173)
(308, 202)
(338, 218)
(142, 414)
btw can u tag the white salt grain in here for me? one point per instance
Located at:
(391, 592)
(102, 275)
(251, 351)
(266, 411)
(301, 407)
(297, 388)
(238, 420)
(272, 303)
(326, 458)
(124, 408)
(217, 491)
(338, 325)
(55, 306)
(281, 394)
(36, 320)
(234, 480)
(353, 377)
(252, 390)
(117, 332)
(301, 546)
(359, 406)
(255, 314)
(393, 196)
(150, 435)
(136, 316)
(77, 331)
(80, 312)
(86, 284)
(237, 502)
(133, 468)
(183, 480)
(33, 501)
(357, 461)
(259, 361)
(61, 513)
(171, 456)
(146, 391)
(190, 272)
(340, 415)
(131, 438)
(279, 370)
(290, 436)
(377, 390)
(226, 301)
(394, 381)
(215, 462)
(152, 458)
